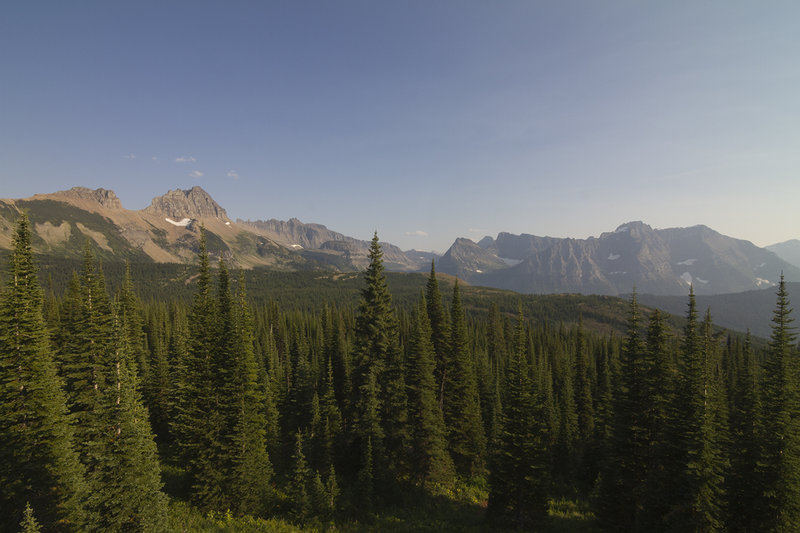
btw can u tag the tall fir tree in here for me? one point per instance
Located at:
(198, 422)
(378, 384)
(701, 402)
(745, 421)
(252, 469)
(620, 490)
(519, 464)
(38, 464)
(462, 410)
(779, 457)
(125, 474)
(430, 462)
(440, 330)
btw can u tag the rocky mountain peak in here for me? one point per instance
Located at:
(104, 197)
(192, 203)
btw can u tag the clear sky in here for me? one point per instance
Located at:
(426, 120)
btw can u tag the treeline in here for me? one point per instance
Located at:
(338, 413)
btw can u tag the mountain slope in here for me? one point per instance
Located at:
(634, 255)
(789, 251)
(318, 241)
(167, 231)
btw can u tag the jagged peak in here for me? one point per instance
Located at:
(186, 203)
(105, 197)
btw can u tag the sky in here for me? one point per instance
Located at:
(422, 120)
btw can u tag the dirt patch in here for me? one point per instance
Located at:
(52, 234)
(96, 236)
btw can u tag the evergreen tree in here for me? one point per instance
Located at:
(439, 330)
(584, 401)
(298, 484)
(660, 467)
(38, 464)
(131, 315)
(379, 395)
(703, 418)
(87, 355)
(29, 523)
(430, 461)
(779, 461)
(199, 426)
(743, 486)
(462, 410)
(620, 496)
(519, 465)
(252, 470)
(125, 474)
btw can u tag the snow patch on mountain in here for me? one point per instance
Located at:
(688, 262)
(687, 277)
(613, 257)
(183, 223)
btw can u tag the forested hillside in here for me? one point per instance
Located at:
(132, 406)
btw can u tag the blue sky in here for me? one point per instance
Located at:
(426, 120)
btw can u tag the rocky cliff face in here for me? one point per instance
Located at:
(664, 261)
(104, 197)
(194, 203)
(468, 260)
(298, 235)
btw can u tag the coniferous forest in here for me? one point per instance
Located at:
(221, 414)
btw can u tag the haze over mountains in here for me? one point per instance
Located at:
(656, 261)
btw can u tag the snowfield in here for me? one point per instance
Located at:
(184, 222)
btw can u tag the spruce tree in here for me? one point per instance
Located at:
(745, 421)
(620, 491)
(430, 462)
(29, 523)
(198, 424)
(661, 467)
(520, 463)
(779, 461)
(439, 330)
(298, 484)
(252, 469)
(702, 413)
(130, 311)
(125, 474)
(38, 464)
(462, 410)
(378, 387)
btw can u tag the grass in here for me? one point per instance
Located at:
(461, 509)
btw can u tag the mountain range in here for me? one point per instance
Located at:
(656, 261)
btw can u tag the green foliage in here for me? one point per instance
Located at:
(29, 523)
(38, 464)
(115, 245)
(779, 454)
(335, 381)
(461, 405)
(520, 462)
(430, 463)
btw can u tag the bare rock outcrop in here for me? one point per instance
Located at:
(194, 203)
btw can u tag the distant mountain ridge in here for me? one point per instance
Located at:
(297, 235)
(168, 230)
(658, 261)
(789, 251)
